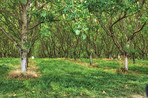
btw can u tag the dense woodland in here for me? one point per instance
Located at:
(74, 29)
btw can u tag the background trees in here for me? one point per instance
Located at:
(112, 16)
(73, 29)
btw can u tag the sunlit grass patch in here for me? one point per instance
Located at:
(62, 78)
(116, 66)
(74, 79)
(140, 62)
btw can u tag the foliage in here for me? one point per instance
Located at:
(66, 27)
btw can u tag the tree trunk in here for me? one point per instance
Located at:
(91, 58)
(74, 54)
(23, 61)
(133, 58)
(24, 33)
(126, 57)
(125, 62)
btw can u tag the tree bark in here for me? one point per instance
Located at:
(23, 61)
(126, 57)
(133, 58)
(91, 58)
(24, 33)
(74, 54)
(125, 62)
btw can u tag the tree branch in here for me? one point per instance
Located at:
(43, 5)
(13, 40)
(135, 32)
(117, 43)
(124, 16)
(41, 23)
(104, 27)
(36, 25)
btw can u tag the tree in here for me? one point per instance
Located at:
(111, 13)
(17, 22)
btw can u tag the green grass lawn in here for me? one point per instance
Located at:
(62, 78)
(140, 67)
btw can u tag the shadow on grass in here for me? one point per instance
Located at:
(63, 78)
(4, 69)
(140, 69)
(7, 86)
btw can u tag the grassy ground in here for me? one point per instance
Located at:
(63, 78)
(141, 66)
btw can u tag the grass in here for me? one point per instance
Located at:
(141, 66)
(61, 78)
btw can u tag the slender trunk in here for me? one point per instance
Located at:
(27, 59)
(74, 54)
(126, 57)
(91, 58)
(67, 53)
(133, 58)
(125, 62)
(24, 57)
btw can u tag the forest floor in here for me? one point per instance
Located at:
(62, 78)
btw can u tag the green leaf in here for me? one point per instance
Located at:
(43, 14)
(85, 29)
(77, 32)
(23, 1)
(79, 26)
(27, 45)
(84, 36)
(144, 29)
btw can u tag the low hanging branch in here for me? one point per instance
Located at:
(135, 32)
(117, 43)
(43, 5)
(119, 19)
(41, 23)
(124, 16)
(36, 25)
(13, 40)
(104, 27)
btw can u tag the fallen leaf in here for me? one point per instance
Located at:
(33, 91)
(104, 92)
(64, 94)
(14, 95)
(24, 92)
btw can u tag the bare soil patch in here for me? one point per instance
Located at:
(32, 72)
